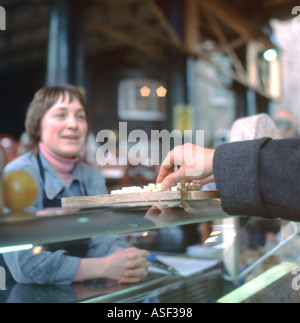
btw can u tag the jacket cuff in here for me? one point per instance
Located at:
(67, 273)
(236, 170)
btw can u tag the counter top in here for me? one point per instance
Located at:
(156, 288)
(56, 225)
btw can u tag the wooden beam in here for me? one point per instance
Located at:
(19, 42)
(165, 24)
(154, 32)
(221, 47)
(272, 3)
(234, 76)
(94, 47)
(228, 49)
(231, 18)
(192, 31)
(32, 56)
(7, 3)
(126, 39)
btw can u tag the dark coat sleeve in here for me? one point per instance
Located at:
(259, 178)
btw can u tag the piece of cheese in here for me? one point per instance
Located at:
(158, 188)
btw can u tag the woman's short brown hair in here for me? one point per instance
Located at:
(42, 101)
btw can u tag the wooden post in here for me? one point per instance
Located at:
(65, 49)
(192, 34)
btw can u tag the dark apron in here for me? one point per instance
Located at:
(75, 248)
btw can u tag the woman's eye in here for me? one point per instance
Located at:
(81, 117)
(60, 115)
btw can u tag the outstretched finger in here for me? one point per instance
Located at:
(174, 178)
(164, 172)
(166, 168)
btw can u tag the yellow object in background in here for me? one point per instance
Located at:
(20, 190)
(183, 117)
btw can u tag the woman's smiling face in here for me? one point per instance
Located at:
(64, 128)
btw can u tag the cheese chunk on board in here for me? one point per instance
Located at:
(158, 188)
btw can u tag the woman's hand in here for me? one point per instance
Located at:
(124, 265)
(193, 162)
(128, 265)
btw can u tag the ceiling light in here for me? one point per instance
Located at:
(145, 91)
(161, 92)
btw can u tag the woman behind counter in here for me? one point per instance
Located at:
(57, 126)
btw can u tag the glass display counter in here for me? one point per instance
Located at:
(210, 271)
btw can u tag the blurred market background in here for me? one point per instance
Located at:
(168, 64)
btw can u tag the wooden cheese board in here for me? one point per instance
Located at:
(138, 199)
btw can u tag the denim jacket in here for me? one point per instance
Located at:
(57, 268)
